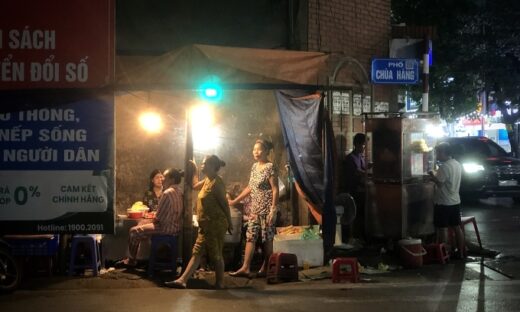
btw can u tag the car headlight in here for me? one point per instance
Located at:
(472, 167)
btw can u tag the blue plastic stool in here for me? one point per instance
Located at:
(157, 241)
(92, 246)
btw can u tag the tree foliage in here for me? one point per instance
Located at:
(477, 49)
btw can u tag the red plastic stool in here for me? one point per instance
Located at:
(283, 267)
(471, 219)
(436, 253)
(345, 269)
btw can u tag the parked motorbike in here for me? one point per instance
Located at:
(10, 274)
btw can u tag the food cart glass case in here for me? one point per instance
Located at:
(399, 193)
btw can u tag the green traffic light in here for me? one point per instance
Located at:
(211, 93)
(211, 90)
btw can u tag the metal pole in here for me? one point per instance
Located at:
(483, 110)
(426, 74)
(187, 224)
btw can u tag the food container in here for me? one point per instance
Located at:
(292, 239)
(134, 214)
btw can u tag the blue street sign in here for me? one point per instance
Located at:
(395, 71)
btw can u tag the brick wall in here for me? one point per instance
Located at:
(357, 28)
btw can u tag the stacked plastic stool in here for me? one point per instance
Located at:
(345, 269)
(471, 219)
(158, 241)
(436, 253)
(91, 248)
(282, 267)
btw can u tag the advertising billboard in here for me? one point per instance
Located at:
(57, 162)
(56, 44)
(56, 116)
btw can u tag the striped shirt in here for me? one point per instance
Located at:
(168, 219)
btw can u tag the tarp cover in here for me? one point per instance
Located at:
(309, 141)
(190, 65)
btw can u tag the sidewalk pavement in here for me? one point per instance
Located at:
(376, 268)
(318, 277)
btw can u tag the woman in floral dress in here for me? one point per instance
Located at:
(263, 188)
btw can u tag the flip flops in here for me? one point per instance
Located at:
(240, 274)
(175, 284)
(261, 274)
(125, 264)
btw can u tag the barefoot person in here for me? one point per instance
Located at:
(263, 188)
(214, 219)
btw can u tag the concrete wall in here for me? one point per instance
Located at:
(158, 26)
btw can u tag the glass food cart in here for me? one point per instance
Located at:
(399, 193)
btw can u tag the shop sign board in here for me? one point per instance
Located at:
(340, 103)
(395, 71)
(357, 106)
(381, 107)
(56, 44)
(56, 162)
(472, 121)
(367, 106)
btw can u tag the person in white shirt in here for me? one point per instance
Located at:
(447, 215)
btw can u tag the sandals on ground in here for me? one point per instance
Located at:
(125, 264)
(240, 274)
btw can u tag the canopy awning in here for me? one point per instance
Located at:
(187, 67)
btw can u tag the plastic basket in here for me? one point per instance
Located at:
(33, 245)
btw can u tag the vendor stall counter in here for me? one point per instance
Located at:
(115, 247)
(399, 199)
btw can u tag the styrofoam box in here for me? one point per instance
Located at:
(310, 251)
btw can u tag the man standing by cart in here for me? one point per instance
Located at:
(355, 171)
(446, 214)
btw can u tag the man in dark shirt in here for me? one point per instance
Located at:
(355, 170)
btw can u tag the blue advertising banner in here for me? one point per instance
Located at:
(57, 162)
(395, 71)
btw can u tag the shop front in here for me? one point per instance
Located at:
(157, 120)
(169, 87)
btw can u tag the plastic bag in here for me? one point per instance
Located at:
(282, 190)
(310, 233)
